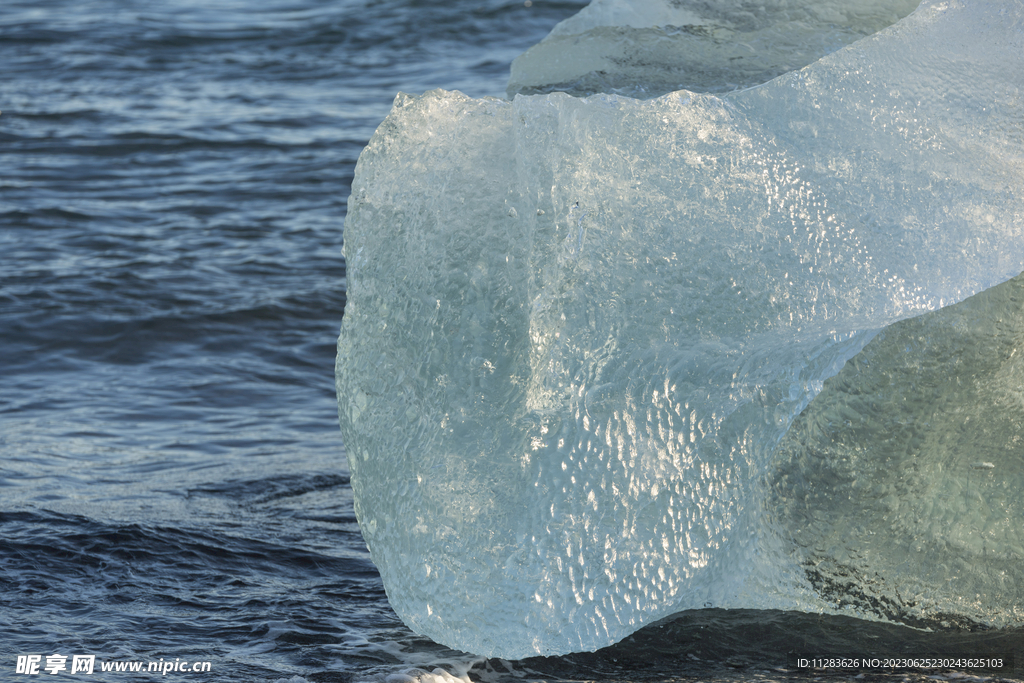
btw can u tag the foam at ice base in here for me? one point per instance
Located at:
(563, 422)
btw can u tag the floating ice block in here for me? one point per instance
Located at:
(579, 331)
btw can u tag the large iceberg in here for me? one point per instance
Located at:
(583, 335)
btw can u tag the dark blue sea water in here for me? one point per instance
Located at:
(173, 484)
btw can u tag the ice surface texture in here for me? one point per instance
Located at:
(646, 48)
(578, 333)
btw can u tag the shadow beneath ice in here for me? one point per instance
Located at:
(716, 644)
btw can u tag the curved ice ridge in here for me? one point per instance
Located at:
(651, 47)
(578, 333)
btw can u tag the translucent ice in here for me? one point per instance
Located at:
(899, 486)
(579, 333)
(651, 47)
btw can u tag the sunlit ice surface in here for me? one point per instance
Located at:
(580, 332)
